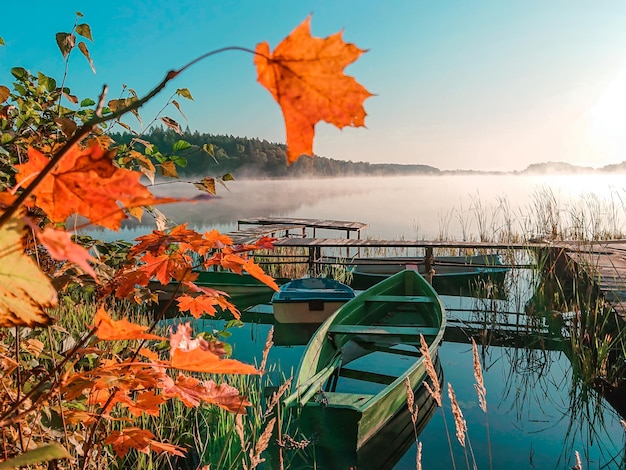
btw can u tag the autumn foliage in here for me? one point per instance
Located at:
(60, 165)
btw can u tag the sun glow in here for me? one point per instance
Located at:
(607, 129)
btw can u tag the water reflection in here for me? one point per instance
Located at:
(538, 413)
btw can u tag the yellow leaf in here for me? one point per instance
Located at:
(83, 48)
(4, 93)
(169, 169)
(25, 291)
(207, 185)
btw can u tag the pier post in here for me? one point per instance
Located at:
(429, 262)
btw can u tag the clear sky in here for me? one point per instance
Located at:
(485, 85)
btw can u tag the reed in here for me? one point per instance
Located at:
(481, 391)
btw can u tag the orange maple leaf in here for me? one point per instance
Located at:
(85, 182)
(195, 355)
(204, 300)
(109, 329)
(61, 247)
(192, 391)
(305, 76)
(140, 439)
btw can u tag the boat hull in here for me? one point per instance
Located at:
(453, 275)
(309, 300)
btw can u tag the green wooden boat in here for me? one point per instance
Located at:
(453, 275)
(351, 379)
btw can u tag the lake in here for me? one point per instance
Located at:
(538, 414)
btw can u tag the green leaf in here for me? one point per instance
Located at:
(20, 73)
(84, 30)
(5, 138)
(49, 83)
(87, 102)
(66, 42)
(180, 145)
(1, 41)
(180, 161)
(40, 454)
(227, 177)
(185, 93)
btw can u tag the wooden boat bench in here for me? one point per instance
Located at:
(367, 376)
(413, 299)
(383, 330)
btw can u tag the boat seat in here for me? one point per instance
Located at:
(347, 399)
(367, 376)
(383, 330)
(384, 348)
(414, 299)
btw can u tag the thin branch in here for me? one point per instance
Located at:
(86, 128)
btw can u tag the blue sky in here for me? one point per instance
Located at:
(459, 84)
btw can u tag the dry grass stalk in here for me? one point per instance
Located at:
(435, 391)
(410, 401)
(239, 430)
(481, 391)
(459, 421)
(269, 342)
(418, 461)
(276, 396)
(261, 445)
(579, 464)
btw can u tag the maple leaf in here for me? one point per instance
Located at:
(109, 329)
(85, 182)
(25, 291)
(195, 355)
(141, 440)
(205, 302)
(192, 391)
(61, 247)
(305, 76)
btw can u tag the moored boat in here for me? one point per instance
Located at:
(309, 300)
(351, 378)
(452, 275)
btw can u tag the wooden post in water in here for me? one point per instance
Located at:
(429, 262)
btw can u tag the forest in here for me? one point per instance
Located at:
(244, 157)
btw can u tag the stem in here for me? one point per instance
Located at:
(86, 128)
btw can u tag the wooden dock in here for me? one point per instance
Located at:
(603, 262)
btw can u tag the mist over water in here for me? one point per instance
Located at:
(411, 207)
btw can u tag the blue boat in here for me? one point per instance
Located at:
(309, 300)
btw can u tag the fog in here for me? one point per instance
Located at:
(412, 207)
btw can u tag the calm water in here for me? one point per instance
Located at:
(537, 414)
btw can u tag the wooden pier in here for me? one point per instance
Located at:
(603, 262)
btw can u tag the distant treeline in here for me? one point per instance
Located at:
(255, 158)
